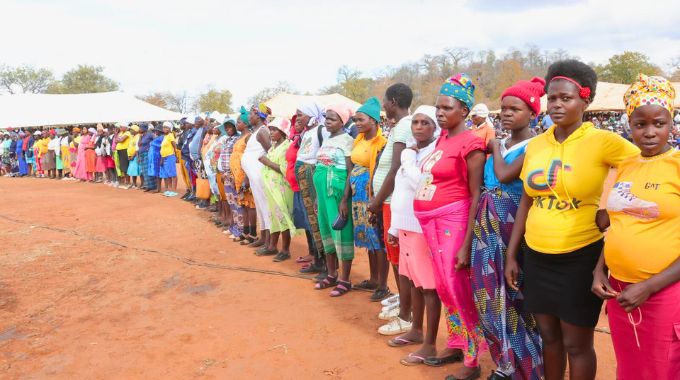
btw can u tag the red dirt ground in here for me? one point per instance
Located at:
(101, 283)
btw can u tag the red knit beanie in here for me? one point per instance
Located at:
(529, 91)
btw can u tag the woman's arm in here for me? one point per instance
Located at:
(270, 164)
(505, 173)
(475, 164)
(518, 229)
(347, 195)
(264, 139)
(636, 294)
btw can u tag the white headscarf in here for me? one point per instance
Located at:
(482, 110)
(315, 112)
(430, 112)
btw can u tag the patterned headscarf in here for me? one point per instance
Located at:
(244, 116)
(649, 90)
(460, 87)
(262, 111)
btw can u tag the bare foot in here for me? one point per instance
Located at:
(426, 351)
(412, 336)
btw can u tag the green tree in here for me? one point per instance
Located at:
(215, 100)
(354, 86)
(25, 79)
(82, 80)
(624, 68)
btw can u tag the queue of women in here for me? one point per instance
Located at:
(507, 235)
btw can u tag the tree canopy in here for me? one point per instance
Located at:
(625, 67)
(25, 79)
(82, 80)
(215, 100)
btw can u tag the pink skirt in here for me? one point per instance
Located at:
(444, 229)
(415, 261)
(100, 164)
(657, 329)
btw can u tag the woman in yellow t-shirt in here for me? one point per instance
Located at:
(367, 147)
(563, 174)
(168, 169)
(133, 170)
(642, 248)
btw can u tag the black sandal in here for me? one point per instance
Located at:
(326, 283)
(366, 285)
(380, 294)
(282, 256)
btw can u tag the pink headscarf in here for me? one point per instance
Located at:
(342, 110)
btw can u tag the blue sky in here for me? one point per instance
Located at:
(244, 46)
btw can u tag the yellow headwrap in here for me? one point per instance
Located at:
(649, 90)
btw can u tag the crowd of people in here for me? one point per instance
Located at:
(506, 234)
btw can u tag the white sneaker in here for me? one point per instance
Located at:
(390, 307)
(396, 326)
(388, 315)
(390, 300)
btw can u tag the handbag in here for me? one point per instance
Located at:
(339, 222)
(202, 188)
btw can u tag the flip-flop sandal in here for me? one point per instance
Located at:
(401, 342)
(341, 289)
(302, 260)
(326, 283)
(409, 360)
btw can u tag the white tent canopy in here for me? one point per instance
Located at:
(285, 104)
(33, 110)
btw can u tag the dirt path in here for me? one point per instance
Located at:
(103, 283)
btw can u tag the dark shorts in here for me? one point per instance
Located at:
(123, 161)
(559, 284)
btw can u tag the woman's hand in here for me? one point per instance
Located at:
(601, 286)
(374, 207)
(492, 146)
(392, 240)
(634, 295)
(602, 220)
(463, 258)
(512, 272)
(343, 209)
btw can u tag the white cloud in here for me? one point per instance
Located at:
(244, 46)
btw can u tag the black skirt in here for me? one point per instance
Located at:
(559, 284)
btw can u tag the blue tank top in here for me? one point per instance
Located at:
(509, 155)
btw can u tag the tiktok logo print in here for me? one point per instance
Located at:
(537, 180)
(540, 181)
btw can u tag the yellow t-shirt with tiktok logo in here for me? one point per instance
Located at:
(644, 209)
(566, 181)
